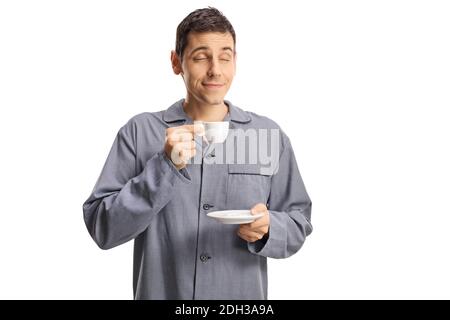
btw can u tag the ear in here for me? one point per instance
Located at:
(176, 63)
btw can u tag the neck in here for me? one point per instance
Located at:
(197, 110)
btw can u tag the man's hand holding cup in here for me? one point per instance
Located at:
(180, 143)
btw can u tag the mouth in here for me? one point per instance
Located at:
(213, 85)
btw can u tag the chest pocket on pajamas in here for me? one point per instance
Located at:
(246, 186)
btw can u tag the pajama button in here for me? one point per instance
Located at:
(207, 206)
(204, 257)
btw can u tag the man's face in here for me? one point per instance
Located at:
(208, 66)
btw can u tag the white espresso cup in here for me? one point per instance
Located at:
(215, 131)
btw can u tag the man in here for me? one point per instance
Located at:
(151, 190)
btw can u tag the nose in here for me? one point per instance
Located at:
(214, 68)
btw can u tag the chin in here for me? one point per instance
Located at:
(215, 100)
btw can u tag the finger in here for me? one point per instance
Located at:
(185, 129)
(170, 130)
(196, 128)
(249, 239)
(178, 155)
(199, 129)
(177, 158)
(184, 136)
(179, 129)
(185, 145)
(186, 154)
(178, 136)
(251, 235)
(261, 230)
(260, 222)
(244, 237)
(258, 208)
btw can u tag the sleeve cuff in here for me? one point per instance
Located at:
(275, 243)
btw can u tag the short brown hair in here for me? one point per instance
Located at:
(202, 20)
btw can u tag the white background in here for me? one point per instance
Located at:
(360, 87)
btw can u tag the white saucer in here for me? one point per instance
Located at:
(234, 216)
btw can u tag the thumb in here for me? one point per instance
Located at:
(258, 208)
(199, 128)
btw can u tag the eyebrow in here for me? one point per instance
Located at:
(207, 48)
